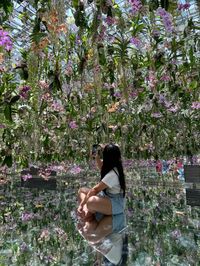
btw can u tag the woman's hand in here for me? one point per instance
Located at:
(92, 192)
(80, 209)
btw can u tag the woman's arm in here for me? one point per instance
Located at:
(94, 191)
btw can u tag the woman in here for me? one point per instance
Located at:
(108, 196)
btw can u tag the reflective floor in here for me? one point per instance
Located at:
(40, 227)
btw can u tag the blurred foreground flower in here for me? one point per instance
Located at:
(76, 170)
(2, 126)
(26, 177)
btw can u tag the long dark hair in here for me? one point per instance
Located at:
(112, 159)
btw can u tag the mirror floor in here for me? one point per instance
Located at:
(41, 227)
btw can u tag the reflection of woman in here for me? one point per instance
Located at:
(111, 242)
(107, 197)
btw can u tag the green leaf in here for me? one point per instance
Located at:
(37, 36)
(8, 112)
(165, 4)
(14, 99)
(193, 84)
(7, 160)
(75, 3)
(7, 6)
(191, 55)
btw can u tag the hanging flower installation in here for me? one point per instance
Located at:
(135, 62)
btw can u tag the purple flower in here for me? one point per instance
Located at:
(165, 78)
(167, 104)
(196, 105)
(23, 247)
(24, 91)
(133, 94)
(5, 40)
(173, 109)
(110, 21)
(78, 40)
(136, 6)
(117, 94)
(27, 217)
(2, 126)
(156, 115)
(69, 69)
(152, 79)
(57, 106)
(166, 19)
(73, 125)
(137, 42)
(185, 6)
(75, 170)
(176, 234)
(156, 33)
(26, 177)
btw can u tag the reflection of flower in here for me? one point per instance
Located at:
(176, 234)
(45, 173)
(156, 115)
(73, 125)
(173, 109)
(27, 217)
(57, 106)
(152, 79)
(45, 235)
(23, 247)
(69, 70)
(75, 170)
(113, 108)
(165, 78)
(195, 105)
(26, 177)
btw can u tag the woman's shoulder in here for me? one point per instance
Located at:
(113, 172)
